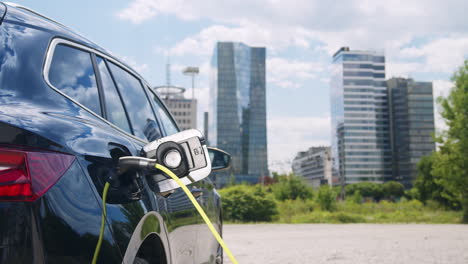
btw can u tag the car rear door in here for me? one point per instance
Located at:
(127, 106)
(73, 70)
(128, 122)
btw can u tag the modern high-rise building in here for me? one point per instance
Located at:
(314, 165)
(238, 108)
(380, 129)
(361, 147)
(412, 124)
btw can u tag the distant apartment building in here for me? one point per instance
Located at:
(361, 148)
(183, 110)
(412, 122)
(314, 165)
(238, 114)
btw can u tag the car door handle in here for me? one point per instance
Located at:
(197, 192)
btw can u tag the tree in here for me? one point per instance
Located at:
(291, 187)
(425, 182)
(430, 186)
(357, 197)
(367, 189)
(326, 197)
(451, 161)
(247, 203)
(393, 189)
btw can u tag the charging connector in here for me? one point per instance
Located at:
(135, 163)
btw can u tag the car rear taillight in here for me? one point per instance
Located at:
(25, 175)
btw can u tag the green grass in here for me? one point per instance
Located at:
(413, 211)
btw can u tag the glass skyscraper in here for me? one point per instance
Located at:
(361, 147)
(412, 116)
(238, 109)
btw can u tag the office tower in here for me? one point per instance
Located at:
(314, 165)
(238, 108)
(412, 124)
(360, 121)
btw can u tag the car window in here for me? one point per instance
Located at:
(136, 102)
(167, 122)
(71, 71)
(114, 107)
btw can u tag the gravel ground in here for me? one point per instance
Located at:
(352, 243)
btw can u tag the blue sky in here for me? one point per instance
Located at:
(422, 39)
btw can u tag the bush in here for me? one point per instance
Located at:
(289, 208)
(412, 193)
(247, 203)
(327, 198)
(393, 189)
(357, 197)
(291, 187)
(349, 218)
(367, 189)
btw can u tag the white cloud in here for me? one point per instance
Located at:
(290, 73)
(440, 88)
(427, 37)
(402, 69)
(202, 43)
(288, 135)
(201, 84)
(138, 67)
(417, 15)
(442, 55)
(139, 11)
(390, 25)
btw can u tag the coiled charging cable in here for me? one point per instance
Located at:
(189, 195)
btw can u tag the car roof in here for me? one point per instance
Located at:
(24, 15)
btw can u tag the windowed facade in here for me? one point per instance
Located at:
(163, 116)
(184, 111)
(314, 165)
(238, 122)
(360, 122)
(412, 125)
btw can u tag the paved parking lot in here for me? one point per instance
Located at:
(353, 243)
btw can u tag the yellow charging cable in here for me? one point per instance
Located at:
(200, 211)
(103, 222)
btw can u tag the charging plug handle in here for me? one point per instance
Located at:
(135, 163)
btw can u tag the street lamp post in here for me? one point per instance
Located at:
(192, 71)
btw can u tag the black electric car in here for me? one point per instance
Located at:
(68, 111)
